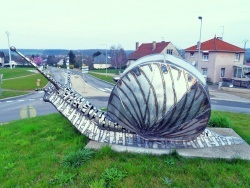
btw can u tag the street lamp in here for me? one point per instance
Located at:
(81, 54)
(106, 59)
(199, 47)
(8, 33)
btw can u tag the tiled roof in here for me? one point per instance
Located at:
(147, 49)
(101, 59)
(216, 44)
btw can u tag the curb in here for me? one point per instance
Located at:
(231, 100)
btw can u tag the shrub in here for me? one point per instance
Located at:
(113, 174)
(77, 158)
(63, 179)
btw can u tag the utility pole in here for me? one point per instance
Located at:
(245, 41)
(199, 47)
(8, 33)
(106, 59)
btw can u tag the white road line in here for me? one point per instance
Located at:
(101, 89)
(108, 89)
(9, 101)
(20, 100)
(41, 99)
(31, 99)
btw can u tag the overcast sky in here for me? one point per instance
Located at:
(88, 24)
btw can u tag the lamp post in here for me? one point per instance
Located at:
(7, 33)
(106, 59)
(82, 60)
(245, 41)
(199, 47)
(81, 55)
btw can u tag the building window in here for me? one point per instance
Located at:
(222, 72)
(204, 71)
(191, 54)
(237, 56)
(205, 56)
(169, 51)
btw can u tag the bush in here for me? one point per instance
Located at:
(219, 121)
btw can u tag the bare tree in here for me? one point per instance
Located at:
(118, 57)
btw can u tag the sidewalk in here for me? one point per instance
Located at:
(229, 95)
(81, 87)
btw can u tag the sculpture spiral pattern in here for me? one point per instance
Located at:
(161, 97)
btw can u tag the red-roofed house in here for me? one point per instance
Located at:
(152, 48)
(217, 58)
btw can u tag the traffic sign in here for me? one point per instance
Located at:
(85, 69)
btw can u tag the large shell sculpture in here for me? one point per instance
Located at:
(159, 102)
(161, 97)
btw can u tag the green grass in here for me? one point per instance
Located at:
(16, 72)
(7, 94)
(19, 81)
(24, 83)
(103, 77)
(113, 71)
(238, 122)
(33, 152)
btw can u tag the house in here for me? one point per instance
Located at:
(216, 59)
(1, 59)
(152, 48)
(101, 62)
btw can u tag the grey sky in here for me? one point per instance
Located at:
(88, 24)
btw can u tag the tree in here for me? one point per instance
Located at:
(118, 57)
(72, 57)
(38, 60)
(52, 60)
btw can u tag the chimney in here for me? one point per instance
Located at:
(220, 38)
(136, 45)
(154, 45)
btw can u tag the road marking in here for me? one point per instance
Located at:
(101, 89)
(22, 100)
(108, 89)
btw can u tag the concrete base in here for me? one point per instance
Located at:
(240, 151)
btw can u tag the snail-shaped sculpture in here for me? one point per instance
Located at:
(159, 102)
(161, 97)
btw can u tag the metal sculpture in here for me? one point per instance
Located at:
(159, 102)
